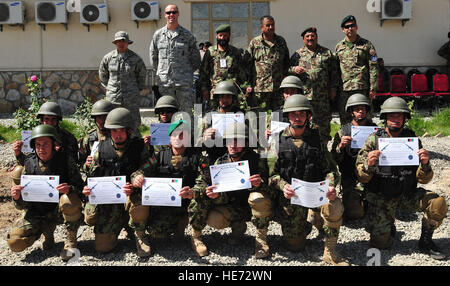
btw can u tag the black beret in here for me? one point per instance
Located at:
(348, 18)
(308, 30)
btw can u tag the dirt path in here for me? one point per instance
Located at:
(8, 213)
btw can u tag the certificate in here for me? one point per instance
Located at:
(230, 176)
(398, 151)
(360, 134)
(94, 148)
(221, 121)
(309, 195)
(162, 192)
(107, 190)
(40, 188)
(276, 127)
(26, 135)
(159, 134)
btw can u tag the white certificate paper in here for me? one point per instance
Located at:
(276, 127)
(360, 134)
(221, 121)
(398, 151)
(159, 134)
(309, 195)
(26, 135)
(40, 188)
(230, 176)
(162, 192)
(107, 190)
(94, 148)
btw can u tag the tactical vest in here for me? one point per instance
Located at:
(393, 181)
(188, 166)
(113, 165)
(301, 163)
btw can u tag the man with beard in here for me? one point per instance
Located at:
(353, 196)
(221, 62)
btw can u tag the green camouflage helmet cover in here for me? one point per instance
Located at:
(101, 107)
(297, 102)
(357, 99)
(119, 118)
(50, 108)
(394, 105)
(43, 130)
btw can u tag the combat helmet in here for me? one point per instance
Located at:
(291, 81)
(50, 108)
(297, 102)
(119, 118)
(394, 105)
(166, 101)
(43, 130)
(237, 130)
(101, 107)
(225, 87)
(357, 99)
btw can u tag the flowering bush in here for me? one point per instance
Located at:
(27, 119)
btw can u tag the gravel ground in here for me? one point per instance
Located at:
(352, 239)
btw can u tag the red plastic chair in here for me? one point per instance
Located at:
(398, 85)
(419, 86)
(381, 91)
(440, 85)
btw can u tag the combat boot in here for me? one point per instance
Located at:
(261, 246)
(330, 253)
(49, 239)
(69, 243)
(142, 244)
(197, 243)
(426, 244)
(238, 229)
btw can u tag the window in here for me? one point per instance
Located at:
(243, 17)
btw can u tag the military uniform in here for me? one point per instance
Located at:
(268, 64)
(358, 66)
(173, 58)
(85, 145)
(444, 52)
(318, 79)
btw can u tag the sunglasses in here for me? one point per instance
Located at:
(171, 12)
(349, 26)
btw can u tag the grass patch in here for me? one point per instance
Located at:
(334, 127)
(72, 127)
(9, 134)
(144, 130)
(439, 123)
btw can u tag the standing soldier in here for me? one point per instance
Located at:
(302, 156)
(392, 187)
(353, 196)
(233, 209)
(220, 63)
(42, 218)
(122, 72)
(316, 67)
(119, 155)
(173, 59)
(268, 64)
(357, 62)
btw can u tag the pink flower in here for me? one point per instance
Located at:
(33, 78)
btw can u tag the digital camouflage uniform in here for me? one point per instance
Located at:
(173, 59)
(124, 76)
(357, 63)
(268, 65)
(319, 78)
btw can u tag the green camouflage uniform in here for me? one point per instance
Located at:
(123, 76)
(319, 78)
(315, 168)
(358, 67)
(268, 64)
(391, 187)
(235, 202)
(211, 71)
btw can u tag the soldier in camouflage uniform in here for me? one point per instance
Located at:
(50, 113)
(233, 209)
(302, 156)
(100, 110)
(221, 62)
(173, 161)
(123, 73)
(357, 62)
(268, 57)
(391, 187)
(352, 191)
(173, 59)
(316, 67)
(119, 155)
(42, 218)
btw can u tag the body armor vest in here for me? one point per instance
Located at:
(187, 167)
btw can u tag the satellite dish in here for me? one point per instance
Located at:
(91, 13)
(46, 11)
(142, 10)
(4, 12)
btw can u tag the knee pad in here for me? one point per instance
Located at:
(70, 207)
(105, 242)
(18, 240)
(332, 213)
(436, 211)
(260, 204)
(219, 218)
(139, 214)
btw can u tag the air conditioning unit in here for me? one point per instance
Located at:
(144, 10)
(94, 13)
(396, 9)
(12, 12)
(47, 12)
